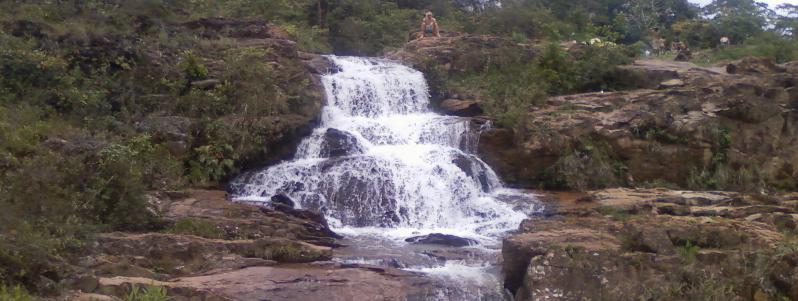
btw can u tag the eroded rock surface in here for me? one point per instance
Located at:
(458, 53)
(695, 120)
(209, 235)
(656, 244)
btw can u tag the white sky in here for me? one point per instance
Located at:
(772, 3)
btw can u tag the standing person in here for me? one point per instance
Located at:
(724, 41)
(657, 42)
(429, 26)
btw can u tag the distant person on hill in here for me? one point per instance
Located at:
(657, 42)
(429, 26)
(724, 41)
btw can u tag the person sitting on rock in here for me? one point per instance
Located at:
(429, 26)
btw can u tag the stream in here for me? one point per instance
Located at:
(383, 168)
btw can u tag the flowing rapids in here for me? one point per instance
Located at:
(382, 168)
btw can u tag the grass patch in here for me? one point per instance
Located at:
(16, 293)
(149, 293)
(614, 212)
(688, 252)
(196, 227)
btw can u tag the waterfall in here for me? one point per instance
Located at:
(381, 159)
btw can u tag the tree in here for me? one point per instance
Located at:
(787, 22)
(738, 19)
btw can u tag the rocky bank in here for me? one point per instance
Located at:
(231, 251)
(730, 128)
(656, 244)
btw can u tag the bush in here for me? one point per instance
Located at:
(211, 163)
(150, 293)
(16, 293)
(585, 166)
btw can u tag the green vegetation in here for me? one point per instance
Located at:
(150, 293)
(16, 293)
(719, 174)
(688, 252)
(585, 165)
(197, 227)
(509, 85)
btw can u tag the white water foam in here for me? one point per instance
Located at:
(415, 172)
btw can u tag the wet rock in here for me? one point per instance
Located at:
(442, 239)
(462, 108)
(285, 204)
(337, 143)
(283, 200)
(317, 64)
(474, 169)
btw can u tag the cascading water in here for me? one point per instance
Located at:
(382, 164)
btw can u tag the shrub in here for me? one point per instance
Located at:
(688, 252)
(150, 293)
(586, 166)
(16, 293)
(211, 163)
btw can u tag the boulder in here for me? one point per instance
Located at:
(462, 108)
(318, 64)
(283, 200)
(475, 169)
(754, 65)
(442, 239)
(337, 143)
(175, 131)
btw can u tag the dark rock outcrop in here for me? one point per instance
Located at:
(462, 108)
(475, 169)
(442, 239)
(337, 143)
